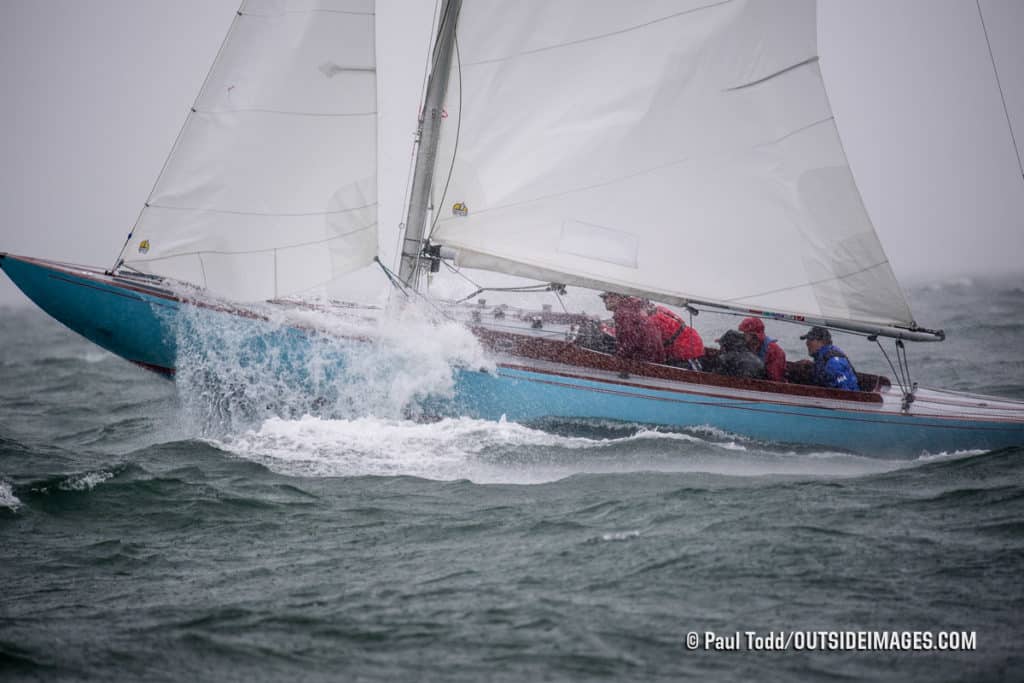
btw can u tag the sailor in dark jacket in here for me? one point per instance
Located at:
(736, 360)
(831, 366)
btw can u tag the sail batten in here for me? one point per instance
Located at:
(692, 160)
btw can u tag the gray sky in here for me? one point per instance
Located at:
(95, 91)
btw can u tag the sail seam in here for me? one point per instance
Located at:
(283, 112)
(319, 10)
(260, 213)
(635, 174)
(809, 284)
(809, 60)
(256, 251)
(795, 132)
(570, 43)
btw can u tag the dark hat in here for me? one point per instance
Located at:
(731, 341)
(819, 333)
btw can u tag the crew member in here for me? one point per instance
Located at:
(831, 366)
(637, 336)
(683, 345)
(735, 359)
(766, 348)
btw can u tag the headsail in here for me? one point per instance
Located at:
(682, 150)
(271, 187)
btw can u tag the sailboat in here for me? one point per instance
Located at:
(682, 151)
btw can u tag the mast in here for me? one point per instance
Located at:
(428, 136)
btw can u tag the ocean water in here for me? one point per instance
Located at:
(152, 530)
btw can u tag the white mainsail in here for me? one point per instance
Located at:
(271, 187)
(677, 149)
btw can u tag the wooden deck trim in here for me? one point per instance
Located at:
(536, 348)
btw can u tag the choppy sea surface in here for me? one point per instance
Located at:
(151, 531)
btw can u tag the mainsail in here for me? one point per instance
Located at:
(271, 188)
(677, 149)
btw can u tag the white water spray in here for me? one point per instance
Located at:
(234, 372)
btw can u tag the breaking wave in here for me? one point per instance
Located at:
(235, 372)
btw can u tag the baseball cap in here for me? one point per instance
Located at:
(752, 325)
(819, 333)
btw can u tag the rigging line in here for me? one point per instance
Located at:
(899, 364)
(395, 282)
(999, 85)
(906, 366)
(635, 174)
(895, 374)
(529, 289)
(470, 296)
(255, 251)
(458, 271)
(628, 29)
(202, 267)
(430, 302)
(261, 213)
(905, 362)
(401, 287)
(558, 296)
(455, 146)
(177, 140)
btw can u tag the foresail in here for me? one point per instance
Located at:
(271, 187)
(679, 150)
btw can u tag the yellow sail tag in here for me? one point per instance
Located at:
(460, 209)
(143, 246)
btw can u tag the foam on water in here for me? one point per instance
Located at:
(620, 535)
(7, 498)
(86, 481)
(447, 449)
(82, 481)
(504, 452)
(941, 457)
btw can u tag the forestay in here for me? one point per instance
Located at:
(271, 187)
(682, 150)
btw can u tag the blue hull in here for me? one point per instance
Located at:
(142, 323)
(126, 321)
(523, 396)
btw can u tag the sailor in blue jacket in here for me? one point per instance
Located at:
(831, 366)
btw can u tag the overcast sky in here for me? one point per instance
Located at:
(95, 91)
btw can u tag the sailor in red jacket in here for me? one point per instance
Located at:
(637, 336)
(766, 348)
(683, 345)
